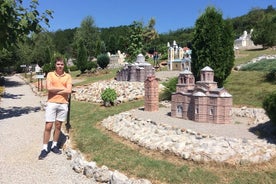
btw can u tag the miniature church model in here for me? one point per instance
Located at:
(179, 58)
(202, 101)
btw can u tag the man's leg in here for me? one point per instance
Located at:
(47, 132)
(46, 138)
(57, 130)
(56, 135)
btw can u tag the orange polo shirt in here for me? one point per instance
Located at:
(58, 81)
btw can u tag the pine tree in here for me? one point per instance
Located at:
(82, 57)
(212, 45)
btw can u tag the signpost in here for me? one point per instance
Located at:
(25, 70)
(39, 78)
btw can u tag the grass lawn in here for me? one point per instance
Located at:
(106, 148)
(248, 89)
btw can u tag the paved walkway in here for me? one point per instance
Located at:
(21, 129)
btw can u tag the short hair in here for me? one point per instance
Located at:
(59, 59)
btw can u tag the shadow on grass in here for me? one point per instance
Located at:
(256, 49)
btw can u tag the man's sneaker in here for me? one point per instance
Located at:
(56, 150)
(43, 154)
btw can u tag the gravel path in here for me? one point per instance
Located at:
(21, 129)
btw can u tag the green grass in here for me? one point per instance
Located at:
(100, 146)
(93, 77)
(247, 87)
(104, 150)
(245, 56)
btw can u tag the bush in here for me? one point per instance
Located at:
(48, 67)
(91, 65)
(269, 105)
(170, 87)
(271, 76)
(109, 96)
(103, 60)
(262, 65)
(73, 68)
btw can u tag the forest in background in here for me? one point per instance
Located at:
(40, 48)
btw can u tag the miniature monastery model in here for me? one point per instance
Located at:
(202, 101)
(244, 41)
(179, 58)
(136, 72)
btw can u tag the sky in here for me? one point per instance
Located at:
(169, 15)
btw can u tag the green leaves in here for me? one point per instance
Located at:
(16, 22)
(212, 45)
(109, 95)
(269, 105)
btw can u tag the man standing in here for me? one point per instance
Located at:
(59, 86)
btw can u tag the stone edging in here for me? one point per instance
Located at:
(188, 144)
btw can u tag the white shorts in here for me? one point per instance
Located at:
(56, 111)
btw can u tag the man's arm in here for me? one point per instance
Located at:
(67, 90)
(51, 88)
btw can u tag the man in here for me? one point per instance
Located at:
(59, 86)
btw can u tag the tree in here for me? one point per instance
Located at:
(7, 57)
(135, 40)
(24, 52)
(149, 32)
(17, 22)
(89, 35)
(63, 40)
(82, 57)
(43, 47)
(212, 45)
(115, 38)
(264, 34)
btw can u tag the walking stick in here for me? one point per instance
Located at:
(68, 125)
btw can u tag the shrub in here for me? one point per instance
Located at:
(262, 65)
(103, 60)
(109, 96)
(82, 57)
(271, 76)
(269, 105)
(91, 65)
(73, 68)
(170, 87)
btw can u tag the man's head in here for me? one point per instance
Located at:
(59, 65)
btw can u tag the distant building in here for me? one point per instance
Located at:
(136, 72)
(245, 42)
(116, 60)
(202, 101)
(179, 58)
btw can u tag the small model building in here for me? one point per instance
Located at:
(202, 101)
(151, 93)
(136, 72)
